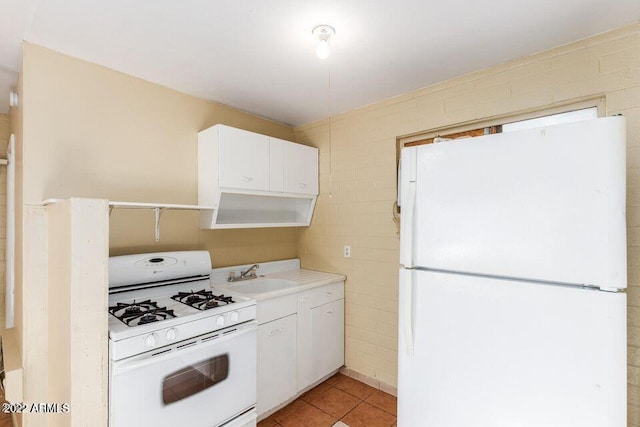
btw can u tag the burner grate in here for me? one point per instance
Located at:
(140, 313)
(202, 299)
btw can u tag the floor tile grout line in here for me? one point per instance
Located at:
(322, 410)
(310, 404)
(352, 409)
(338, 419)
(382, 409)
(357, 397)
(364, 401)
(359, 401)
(278, 422)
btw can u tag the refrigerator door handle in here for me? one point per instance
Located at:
(408, 311)
(406, 226)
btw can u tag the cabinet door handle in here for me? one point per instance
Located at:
(329, 312)
(247, 178)
(303, 184)
(275, 332)
(328, 293)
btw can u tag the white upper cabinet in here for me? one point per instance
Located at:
(254, 180)
(300, 173)
(275, 163)
(243, 159)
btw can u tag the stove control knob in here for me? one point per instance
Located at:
(234, 316)
(220, 321)
(151, 340)
(172, 334)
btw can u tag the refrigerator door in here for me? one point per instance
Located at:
(544, 204)
(501, 353)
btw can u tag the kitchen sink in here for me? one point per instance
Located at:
(260, 286)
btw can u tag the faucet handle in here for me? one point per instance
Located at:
(232, 276)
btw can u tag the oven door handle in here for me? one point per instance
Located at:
(136, 362)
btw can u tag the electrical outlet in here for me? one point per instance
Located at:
(347, 251)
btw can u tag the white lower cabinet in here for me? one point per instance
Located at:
(300, 341)
(320, 333)
(276, 362)
(327, 337)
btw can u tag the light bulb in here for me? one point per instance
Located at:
(323, 50)
(323, 33)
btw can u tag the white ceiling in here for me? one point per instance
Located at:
(259, 55)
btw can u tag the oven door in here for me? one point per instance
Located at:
(201, 382)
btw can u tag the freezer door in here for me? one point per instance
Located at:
(500, 353)
(544, 204)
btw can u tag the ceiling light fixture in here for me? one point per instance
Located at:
(323, 33)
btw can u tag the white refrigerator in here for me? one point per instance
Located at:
(513, 271)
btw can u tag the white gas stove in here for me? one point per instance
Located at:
(181, 351)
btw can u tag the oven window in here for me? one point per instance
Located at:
(194, 379)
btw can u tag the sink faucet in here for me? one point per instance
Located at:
(250, 273)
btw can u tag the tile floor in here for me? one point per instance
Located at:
(340, 398)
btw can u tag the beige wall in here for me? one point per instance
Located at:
(94, 132)
(4, 140)
(4, 133)
(358, 178)
(15, 126)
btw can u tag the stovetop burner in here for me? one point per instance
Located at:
(140, 313)
(202, 300)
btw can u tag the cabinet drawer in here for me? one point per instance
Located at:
(322, 295)
(276, 308)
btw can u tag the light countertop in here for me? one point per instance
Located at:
(303, 280)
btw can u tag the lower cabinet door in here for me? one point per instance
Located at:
(276, 362)
(328, 338)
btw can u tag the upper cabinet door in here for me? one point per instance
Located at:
(275, 162)
(244, 159)
(300, 168)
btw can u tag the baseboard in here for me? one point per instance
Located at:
(373, 382)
